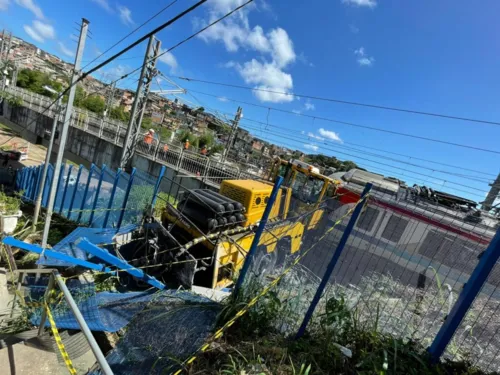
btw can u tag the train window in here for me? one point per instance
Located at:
(368, 219)
(394, 229)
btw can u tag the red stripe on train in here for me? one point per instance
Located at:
(347, 196)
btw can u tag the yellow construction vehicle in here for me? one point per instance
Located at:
(215, 230)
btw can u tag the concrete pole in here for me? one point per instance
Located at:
(38, 203)
(230, 141)
(64, 132)
(131, 129)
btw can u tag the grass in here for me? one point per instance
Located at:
(373, 328)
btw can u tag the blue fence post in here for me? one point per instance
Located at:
(112, 198)
(89, 179)
(31, 183)
(99, 184)
(104, 255)
(125, 199)
(58, 189)
(70, 169)
(258, 234)
(157, 186)
(48, 184)
(23, 177)
(469, 292)
(80, 168)
(91, 170)
(333, 261)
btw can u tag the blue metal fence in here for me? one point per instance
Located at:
(98, 197)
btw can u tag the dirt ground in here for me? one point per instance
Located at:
(11, 139)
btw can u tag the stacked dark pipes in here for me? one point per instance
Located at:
(210, 210)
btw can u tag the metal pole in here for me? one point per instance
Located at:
(467, 296)
(157, 187)
(64, 132)
(230, 141)
(131, 129)
(258, 234)
(77, 182)
(99, 184)
(46, 297)
(333, 261)
(83, 325)
(65, 188)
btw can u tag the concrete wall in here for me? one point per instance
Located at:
(86, 148)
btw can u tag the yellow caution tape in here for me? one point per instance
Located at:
(219, 333)
(59, 342)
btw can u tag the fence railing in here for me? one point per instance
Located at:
(114, 131)
(400, 267)
(98, 197)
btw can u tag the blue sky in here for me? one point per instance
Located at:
(432, 56)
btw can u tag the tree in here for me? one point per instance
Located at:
(186, 134)
(147, 123)
(118, 113)
(206, 139)
(94, 103)
(35, 81)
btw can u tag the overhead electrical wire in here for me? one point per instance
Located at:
(323, 141)
(412, 111)
(132, 32)
(282, 136)
(272, 138)
(161, 27)
(350, 143)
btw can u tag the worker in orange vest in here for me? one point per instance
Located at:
(148, 138)
(186, 144)
(204, 150)
(165, 148)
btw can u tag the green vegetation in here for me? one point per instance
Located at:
(162, 132)
(338, 341)
(9, 205)
(94, 103)
(34, 80)
(118, 113)
(330, 161)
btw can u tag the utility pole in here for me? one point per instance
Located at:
(148, 72)
(64, 132)
(230, 141)
(492, 195)
(111, 96)
(38, 203)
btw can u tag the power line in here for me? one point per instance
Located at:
(380, 129)
(132, 32)
(369, 166)
(344, 101)
(318, 139)
(322, 140)
(354, 144)
(362, 158)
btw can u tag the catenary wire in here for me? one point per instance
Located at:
(416, 112)
(349, 143)
(132, 32)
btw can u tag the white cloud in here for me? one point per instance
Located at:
(116, 71)
(314, 136)
(126, 15)
(366, 61)
(311, 146)
(361, 3)
(31, 6)
(297, 112)
(104, 4)
(308, 106)
(363, 59)
(4, 4)
(281, 47)
(66, 51)
(223, 99)
(328, 134)
(267, 76)
(40, 31)
(169, 59)
(274, 48)
(354, 29)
